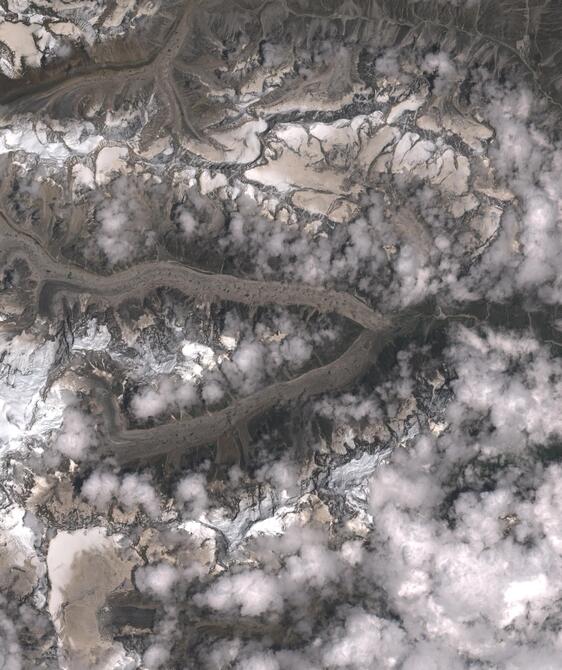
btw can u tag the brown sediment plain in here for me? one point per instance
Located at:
(54, 278)
(148, 66)
(153, 69)
(132, 445)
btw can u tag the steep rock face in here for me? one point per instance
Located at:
(279, 334)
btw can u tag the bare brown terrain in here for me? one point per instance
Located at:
(56, 279)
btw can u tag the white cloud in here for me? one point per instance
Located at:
(260, 661)
(188, 223)
(365, 642)
(192, 491)
(10, 650)
(444, 67)
(156, 656)
(100, 488)
(518, 405)
(254, 592)
(212, 392)
(431, 656)
(78, 435)
(132, 491)
(169, 395)
(136, 490)
(124, 223)
(158, 580)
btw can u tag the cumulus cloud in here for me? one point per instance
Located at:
(10, 650)
(353, 252)
(444, 68)
(123, 231)
(261, 661)
(349, 407)
(212, 392)
(258, 353)
(137, 491)
(464, 585)
(365, 640)
(387, 64)
(78, 434)
(192, 492)
(158, 580)
(527, 158)
(516, 405)
(457, 564)
(247, 366)
(246, 357)
(506, 248)
(100, 488)
(156, 656)
(169, 395)
(448, 554)
(468, 580)
(131, 491)
(253, 592)
(283, 475)
(187, 222)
